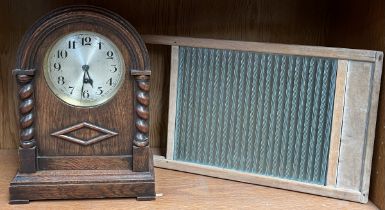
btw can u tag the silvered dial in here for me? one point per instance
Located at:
(84, 69)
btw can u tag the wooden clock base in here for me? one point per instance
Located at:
(77, 184)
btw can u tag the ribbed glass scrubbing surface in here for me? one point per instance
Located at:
(259, 113)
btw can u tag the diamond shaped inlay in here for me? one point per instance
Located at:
(78, 134)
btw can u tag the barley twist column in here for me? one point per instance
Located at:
(141, 150)
(27, 148)
(141, 109)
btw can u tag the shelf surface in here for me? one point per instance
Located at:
(184, 191)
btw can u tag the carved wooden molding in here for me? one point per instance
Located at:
(64, 134)
(135, 72)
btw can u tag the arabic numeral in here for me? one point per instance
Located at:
(100, 91)
(86, 41)
(86, 94)
(114, 69)
(71, 89)
(110, 55)
(62, 53)
(109, 82)
(57, 66)
(60, 80)
(71, 44)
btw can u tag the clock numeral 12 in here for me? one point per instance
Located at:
(86, 41)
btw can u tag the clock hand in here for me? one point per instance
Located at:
(88, 79)
(84, 81)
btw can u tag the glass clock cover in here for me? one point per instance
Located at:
(84, 69)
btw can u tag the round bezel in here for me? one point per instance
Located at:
(76, 101)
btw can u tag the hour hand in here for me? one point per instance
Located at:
(84, 82)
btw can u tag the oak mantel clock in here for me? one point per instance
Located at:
(83, 78)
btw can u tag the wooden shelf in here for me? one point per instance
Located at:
(184, 190)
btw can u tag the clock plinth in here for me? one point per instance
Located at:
(83, 76)
(78, 184)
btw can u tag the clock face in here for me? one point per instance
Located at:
(84, 69)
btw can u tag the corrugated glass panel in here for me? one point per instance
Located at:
(260, 113)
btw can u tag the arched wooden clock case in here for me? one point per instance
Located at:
(69, 152)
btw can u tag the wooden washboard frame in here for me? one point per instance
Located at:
(353, 121)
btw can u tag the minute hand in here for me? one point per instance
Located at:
(84, 81)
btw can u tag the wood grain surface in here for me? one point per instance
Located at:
(185, 191)
(52, 115)
(85, 162)
(159, 92)
(264, 47)
(335, 135)
(362, 25)
(344, 23)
